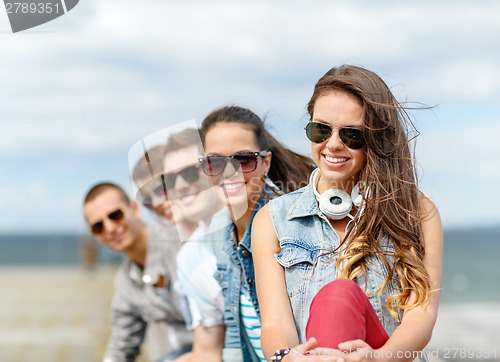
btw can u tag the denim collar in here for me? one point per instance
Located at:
(306, 204)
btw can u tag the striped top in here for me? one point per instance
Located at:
(251, 322)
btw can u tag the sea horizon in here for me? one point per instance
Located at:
(470, 267)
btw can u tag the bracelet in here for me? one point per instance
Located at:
(279, 354)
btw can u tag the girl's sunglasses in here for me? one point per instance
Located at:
(215, 165)
(189, 174)
(116, 216)
(353, 138)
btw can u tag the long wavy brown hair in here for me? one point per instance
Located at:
(392, 197)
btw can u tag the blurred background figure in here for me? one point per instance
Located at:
(152, 194)
(144, 282)
(169, 182)
(192, 197)
(146, 176)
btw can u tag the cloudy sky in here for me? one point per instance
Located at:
(78, 92)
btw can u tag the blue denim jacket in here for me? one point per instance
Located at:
(304, 234)
(234, 267)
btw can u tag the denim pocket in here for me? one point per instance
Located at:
(298, 260)
(296, 255)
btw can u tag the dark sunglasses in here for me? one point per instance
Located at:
(215, 165)
(146, 201)
(353, 138)
(98, 227)
(189, 174)
(152, 192)
(159, 188)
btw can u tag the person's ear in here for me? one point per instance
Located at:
(136, 209)
(267, 161)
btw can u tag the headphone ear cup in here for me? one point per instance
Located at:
(335, 204)
(356, 197)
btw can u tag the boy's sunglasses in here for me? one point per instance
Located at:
(189, 174)
(98, 227)
(147, 201)
(152, 193)
(353, 138)
(215, 165)
(159, 189)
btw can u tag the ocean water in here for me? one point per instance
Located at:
(49, 250)
(471, 266)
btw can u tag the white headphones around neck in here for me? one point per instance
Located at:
(334, 203)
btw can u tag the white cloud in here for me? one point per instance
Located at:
(114, 71)
(460, 171)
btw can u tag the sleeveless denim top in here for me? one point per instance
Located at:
(304, 233)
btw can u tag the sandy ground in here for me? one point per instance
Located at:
(62, 315)
(49, 314)
(466, 332)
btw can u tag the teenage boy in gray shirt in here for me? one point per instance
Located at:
(144, 281)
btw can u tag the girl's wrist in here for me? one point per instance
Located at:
(280, 354)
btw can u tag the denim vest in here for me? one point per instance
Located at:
(234, 267)
(304, 233)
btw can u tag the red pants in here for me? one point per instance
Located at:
(341, 312)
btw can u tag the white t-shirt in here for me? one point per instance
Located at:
(196, 265)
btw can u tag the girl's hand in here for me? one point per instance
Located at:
(356, 351)
(309, 352)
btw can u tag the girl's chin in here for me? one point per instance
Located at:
(237, 206)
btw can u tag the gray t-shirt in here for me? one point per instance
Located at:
(137, 302)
